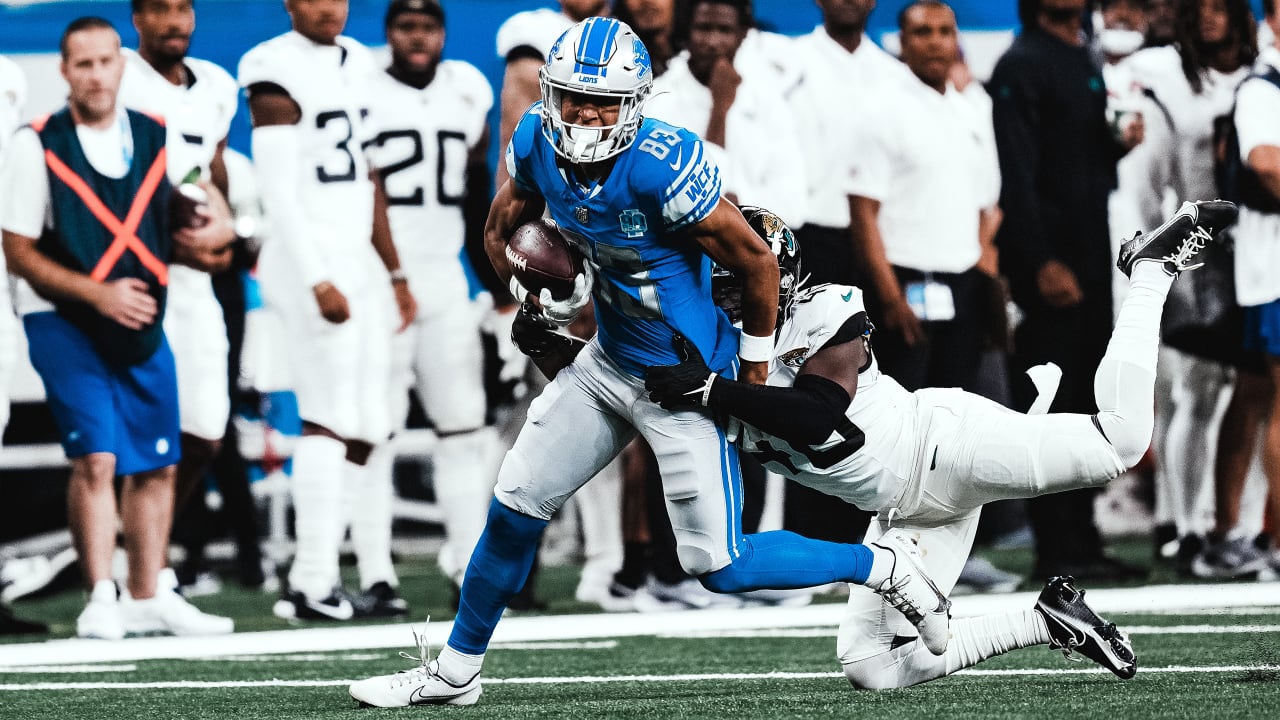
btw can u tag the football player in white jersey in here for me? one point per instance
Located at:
(927, 461)
(431, 145)
(309, 95)
(197, 100)
(13, 94)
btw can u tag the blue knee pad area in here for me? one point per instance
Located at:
(499, 566)
(782, 560)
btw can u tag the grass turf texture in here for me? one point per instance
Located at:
(1235, 694)
(1153, 694)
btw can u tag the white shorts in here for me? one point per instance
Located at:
(341, 373)
(441, 358)
(584, 418)
(976, 451)
(197, 333)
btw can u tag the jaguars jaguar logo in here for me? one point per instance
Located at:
(793, 358)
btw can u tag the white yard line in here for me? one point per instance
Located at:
(600, 679)
(47, 669)
(558, 628)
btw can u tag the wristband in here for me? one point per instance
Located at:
(398, 275)
(754, 348)
(706, 391)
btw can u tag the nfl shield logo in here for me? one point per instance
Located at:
(633, 223)
(581, 214)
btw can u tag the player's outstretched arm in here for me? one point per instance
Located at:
(726, 238)
(804, 414)
(511, 208)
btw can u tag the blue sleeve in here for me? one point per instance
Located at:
(677, 171)
(519, 157)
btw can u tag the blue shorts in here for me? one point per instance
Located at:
(1262, 328)
(130, 412)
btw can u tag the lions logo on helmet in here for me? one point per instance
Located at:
(726, 290)
(600, 57)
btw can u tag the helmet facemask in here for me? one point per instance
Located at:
(598, 58)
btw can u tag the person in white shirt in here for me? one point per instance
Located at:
(326, 270)
(430, 150)
(13, 94)
(88, 229)
(197, 99)
(750, 132)
(841, 68)
(1257, 239)
(1185, 88)
(926, 176)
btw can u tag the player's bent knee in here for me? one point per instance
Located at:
(516, 489)
(727, 579)
(696, 560)
(873, 673)
(1130, 437)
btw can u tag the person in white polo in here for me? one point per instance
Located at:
(924, 176)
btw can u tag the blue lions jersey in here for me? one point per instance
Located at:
(651, 280)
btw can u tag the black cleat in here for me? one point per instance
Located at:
(294, 605)
(1074, 626)
(380, 600)
(1176, 243)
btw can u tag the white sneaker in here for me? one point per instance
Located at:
(101, 617)
(169, 613)
(420, 686)
(910, 590)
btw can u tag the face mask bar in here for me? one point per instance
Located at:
(584, 144)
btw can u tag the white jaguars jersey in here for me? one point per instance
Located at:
(424, 138)
(197, 116)
(538, 29)
(13, 96)
(869, 459)
(332, 86)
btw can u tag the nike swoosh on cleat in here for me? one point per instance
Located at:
(337, 612)
(847, 296)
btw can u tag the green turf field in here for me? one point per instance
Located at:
(1206, 664)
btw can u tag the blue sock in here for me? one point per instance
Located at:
(498, 569)
(782, 560)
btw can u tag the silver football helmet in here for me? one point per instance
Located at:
(601, 57)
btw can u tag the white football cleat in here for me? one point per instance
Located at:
(422, 685)
(101, 618)
(169, 613)
(911, 592)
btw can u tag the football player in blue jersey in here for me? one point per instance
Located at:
(641, 200)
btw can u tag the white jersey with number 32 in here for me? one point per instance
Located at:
(331, 85)
(421, 153)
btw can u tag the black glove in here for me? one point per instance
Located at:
(535, 334)
(686, 385)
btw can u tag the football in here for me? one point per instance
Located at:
(540, 258)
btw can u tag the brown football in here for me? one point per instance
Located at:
(540, 257)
